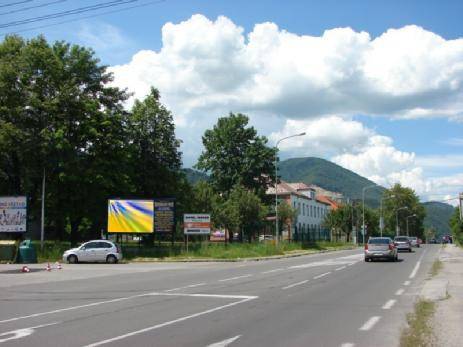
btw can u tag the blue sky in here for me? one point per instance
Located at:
(409, 129)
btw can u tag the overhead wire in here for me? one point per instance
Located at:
(32, 7)
(68, 13)
(15, 3)
(149, 3)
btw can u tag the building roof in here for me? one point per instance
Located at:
(327, 201)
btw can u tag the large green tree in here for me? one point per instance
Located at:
(235, 155)
(456, 226)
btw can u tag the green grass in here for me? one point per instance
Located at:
(419, 331)
(436, 267)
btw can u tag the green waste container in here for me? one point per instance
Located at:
(27, 254)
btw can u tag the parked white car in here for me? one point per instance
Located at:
(94, 251)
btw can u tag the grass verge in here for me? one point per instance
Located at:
(436, 267)
(419, 331)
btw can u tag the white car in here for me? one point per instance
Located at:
(414, 241)
(94, 251)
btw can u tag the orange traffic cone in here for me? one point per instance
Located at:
(25, 269)
(58, 265)
(48, 267)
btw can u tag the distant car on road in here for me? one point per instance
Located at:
(380, 248)
(263, 238)
(414, 241)
(94, 251)
(402, 243)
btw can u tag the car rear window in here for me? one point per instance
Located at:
(378, 241)
(401, 239)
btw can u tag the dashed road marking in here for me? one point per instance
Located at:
(388, 305)
(234, 278)
(225, 343)
(348, 344)
(270, 271)
(20, 333)
(407, 283)
(322, 275)
(295, 284)
(400, 291)
(185, 287)
(370, 323)
(340, 268)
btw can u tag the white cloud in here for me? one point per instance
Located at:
(212, 65)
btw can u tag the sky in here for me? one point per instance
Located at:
(376, 85)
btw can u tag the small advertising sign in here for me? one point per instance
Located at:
(197, 224)
(13, 214)
(218, 236)
(164, 215)
(130, 216)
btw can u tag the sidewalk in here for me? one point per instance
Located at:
(448, 319)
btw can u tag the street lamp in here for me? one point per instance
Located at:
(381, 220)
(363, 210)
(397, 219)
(276, 182)
(413, 215)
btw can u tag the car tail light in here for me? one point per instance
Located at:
(366, 246)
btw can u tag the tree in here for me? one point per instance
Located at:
(456, 226)
(395, 199)
(286, 215)
(235, 155)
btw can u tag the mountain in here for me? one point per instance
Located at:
(437, 217)
(194, 176)
(329, 176)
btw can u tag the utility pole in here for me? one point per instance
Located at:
(363, 210)
(42, 217)
(461, 206)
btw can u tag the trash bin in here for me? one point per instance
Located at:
(27, 254)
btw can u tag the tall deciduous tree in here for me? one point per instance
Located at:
(234, 154)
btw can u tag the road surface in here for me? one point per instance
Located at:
(329, 299)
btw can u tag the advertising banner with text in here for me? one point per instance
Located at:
(13, 214)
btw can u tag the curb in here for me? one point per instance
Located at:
(218, 260)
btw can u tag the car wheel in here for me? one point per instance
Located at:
(409, 250)
(72, 259)
(111, 259)
(367, 260)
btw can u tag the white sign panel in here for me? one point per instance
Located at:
(13, 214)
(197, 224)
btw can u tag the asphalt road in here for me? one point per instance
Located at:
(330, 299)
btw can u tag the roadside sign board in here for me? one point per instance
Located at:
(13, 214)
(130, 216)
(196, 224)
(164, 215)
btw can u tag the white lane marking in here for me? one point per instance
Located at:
(388, 305)
(295, 284)
(417, 266)
(322, 275)
(340, 268)
(350, 264)
(370, 323)
(270, 271)
(73, 308)
(400, 291)
(234, 278)
(219, 296)
(350, 260)
(181, 319)
(348, 344)
(20, 333)
(407, 283)
(185, 287)
(225, 343)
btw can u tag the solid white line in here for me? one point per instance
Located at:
(340, 268)
(322, 275)
(388, 305)
(415, 270)
(400, 291)
(234, 278)
(157, 326)
(295, 284)
(185, 287)
(270, 271)
(348, 344)
(407, 283)
(225, 343)
(219, 296)
(370, 323)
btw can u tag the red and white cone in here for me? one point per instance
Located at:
(48, 267)
(25, 269)
(58, 265)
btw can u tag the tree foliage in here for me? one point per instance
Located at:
(456, 226)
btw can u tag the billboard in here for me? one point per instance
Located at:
(197, 224)
(13, 214)
(164, 215)
(130, 216)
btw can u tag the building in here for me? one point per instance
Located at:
(311, 211)
(334, 196)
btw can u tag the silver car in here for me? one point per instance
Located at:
(380, 248)
(414, 241)
(403, 243)
(94, 251)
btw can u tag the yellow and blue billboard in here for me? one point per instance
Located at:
(130, 216)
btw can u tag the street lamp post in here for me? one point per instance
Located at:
(413, 215)
(397, 219)
(381, 220)
(363, 210)
(276, 182)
